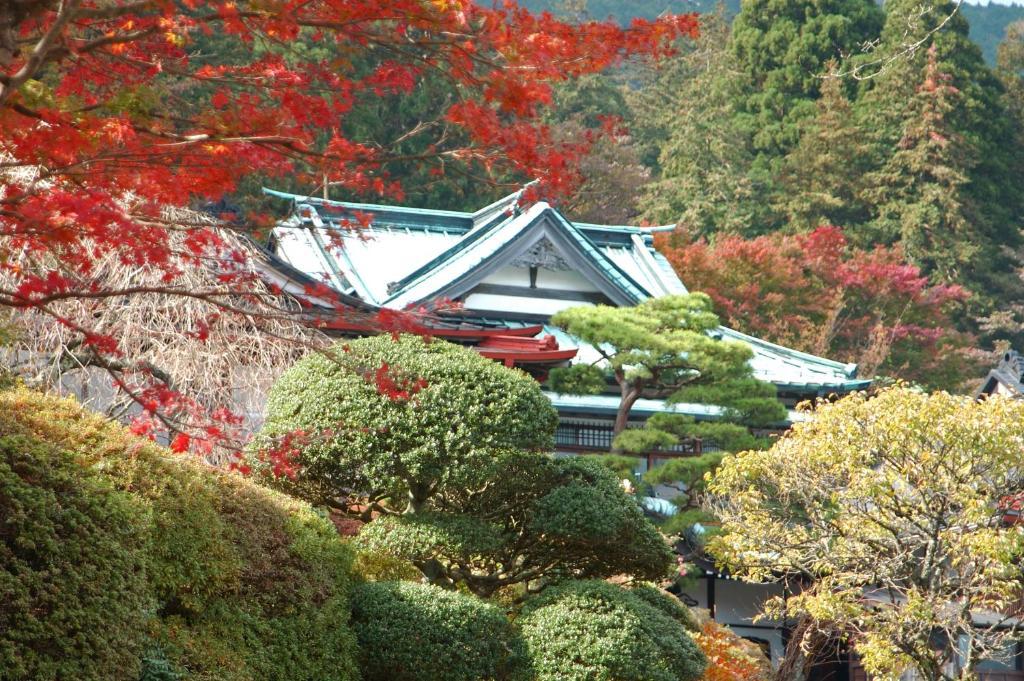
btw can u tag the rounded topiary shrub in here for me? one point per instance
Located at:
(415, 632)
(592, 630)
(240, 582)
(73, 593)
(399, 413)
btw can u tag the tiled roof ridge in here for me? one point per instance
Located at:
(849, 369)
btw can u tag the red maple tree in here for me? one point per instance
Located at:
(115, 114)
(817, 293)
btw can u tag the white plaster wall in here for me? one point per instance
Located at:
(553, 279)
(736, 605)
(491, 302)
(563, 281)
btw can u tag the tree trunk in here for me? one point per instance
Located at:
(802, 651)
(630, 395)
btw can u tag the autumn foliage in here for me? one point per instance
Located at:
(117, 113)
(730, 658)
(815, 292)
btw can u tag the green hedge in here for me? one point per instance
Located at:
(596, 631)
(203, 575)
(73, 594)
(417, 632)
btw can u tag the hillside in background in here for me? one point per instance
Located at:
(988, 25)
(988, 22)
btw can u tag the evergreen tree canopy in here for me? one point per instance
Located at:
(447, 452)
(983, 159)
(664, 347)
(920, 192)
(704, 154)
(821, 180)
(782, 48)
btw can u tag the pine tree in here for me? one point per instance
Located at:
(991, 183)
(920, 192)
(781, 49)
(821, 180)
(705, 158)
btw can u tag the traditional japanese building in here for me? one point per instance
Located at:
(493, 279)
(1007, 378)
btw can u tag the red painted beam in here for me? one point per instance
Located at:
(527, 357)
(440, 332)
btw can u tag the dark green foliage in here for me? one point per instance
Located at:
(667, 604)
(782, 48)
(622, 466)
(449, 469)
(417, 632)
(156, 666)
(529, 519)
(688, 116)
(578, 379)
(921, 190)
(594, 630)
(73, 593)
(982, 160)
(386, 121)
(668, 347)
(241, 583)
(359, 438)
(821, 180)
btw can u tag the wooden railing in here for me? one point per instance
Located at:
(1001, 675)
(587, 437)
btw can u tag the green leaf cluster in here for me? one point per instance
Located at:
(534, 521)
(407, 450)
(459, 473)
(419, 632)
(595, 630)
(891, 509)
(124, 560)
(669, 348)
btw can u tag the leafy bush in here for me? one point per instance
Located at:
(244, 583)
(594, 630)
(73, 594)
(417, 632)
(558, 519)
(358, 434)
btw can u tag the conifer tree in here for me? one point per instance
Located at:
(781, 48)
(920, 190)
(977, 115)
(704, 156)
(1010, 68)
(821, 179)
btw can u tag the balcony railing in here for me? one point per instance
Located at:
(594, 437)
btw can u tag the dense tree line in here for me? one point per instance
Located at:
(886, 123)
(989, 21)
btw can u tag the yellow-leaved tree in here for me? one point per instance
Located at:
(888, 515)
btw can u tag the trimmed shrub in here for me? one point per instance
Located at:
(73, 594)
(596, 631)
(245, 583)
(460, 408)
(417, 632)
(668, 604)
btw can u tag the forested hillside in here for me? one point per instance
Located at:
(988, 24)
(988, 21)
(866, 206)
